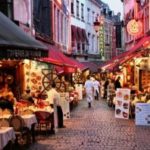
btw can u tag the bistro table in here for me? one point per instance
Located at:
(6, 134)
(29, 120)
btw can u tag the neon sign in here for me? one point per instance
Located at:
(101, 42)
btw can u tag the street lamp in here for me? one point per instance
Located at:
(99, 21)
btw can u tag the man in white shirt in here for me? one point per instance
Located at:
(96, 89)
(89, 89)
(54, 99)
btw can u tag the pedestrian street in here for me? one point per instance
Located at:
(96, 129)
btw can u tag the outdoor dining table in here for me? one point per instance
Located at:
(6, 134)
(29, 120)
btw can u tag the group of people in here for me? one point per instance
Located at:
(8, 101)
(93, 88)
(53, 100)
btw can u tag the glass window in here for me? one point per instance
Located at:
(6, 7)
(82, 11)
(88, 15)
(72, 7)
(77, 7)
(93, 16)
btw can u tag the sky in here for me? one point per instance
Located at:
(115, 5)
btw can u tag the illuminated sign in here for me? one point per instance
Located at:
(101, 41)
(134, 27)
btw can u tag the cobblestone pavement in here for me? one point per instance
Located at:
(96, 129)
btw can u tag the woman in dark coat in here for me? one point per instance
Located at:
(117, 83)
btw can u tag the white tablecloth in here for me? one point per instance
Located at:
(47, 109)
(29, 120)
(6, 134)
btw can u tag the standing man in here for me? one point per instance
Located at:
(89, 89)
(54, 101)
(96, 89)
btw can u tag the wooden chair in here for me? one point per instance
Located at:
(45, 121)
(23, 135)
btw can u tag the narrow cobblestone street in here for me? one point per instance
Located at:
(96, 129)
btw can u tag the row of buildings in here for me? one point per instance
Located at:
(134, 64)
(67, 25)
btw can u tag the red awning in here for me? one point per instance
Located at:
(74, 33)
(85, 36)
(136, 50)
(67, 64)
(78, 34)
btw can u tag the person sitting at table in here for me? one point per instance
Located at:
(53, 100)
(7, 99)
(27, 96)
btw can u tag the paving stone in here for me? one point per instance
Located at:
(96, 129)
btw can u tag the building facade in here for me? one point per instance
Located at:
(139, 10)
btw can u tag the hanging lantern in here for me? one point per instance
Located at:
(134, 27)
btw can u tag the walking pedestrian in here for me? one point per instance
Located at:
(106, 88)
(96, 88)
(89, 90)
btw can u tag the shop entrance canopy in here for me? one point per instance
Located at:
(58, 58)
(136, 51)
(15, 43)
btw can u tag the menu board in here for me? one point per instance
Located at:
(142, 114)
(122, 103)
(65, 105)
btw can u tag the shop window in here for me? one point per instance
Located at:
(6, 7)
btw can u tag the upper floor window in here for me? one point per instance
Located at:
(146, 19)
(93, 16)
(72, 7)
(88, 15)
(82, 11)
(6, 7)
(77, 8)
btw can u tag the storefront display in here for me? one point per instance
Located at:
(144, 79)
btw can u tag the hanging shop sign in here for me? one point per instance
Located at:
(134, 27)
(17, 53)
(59, 2)
(101, 41)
